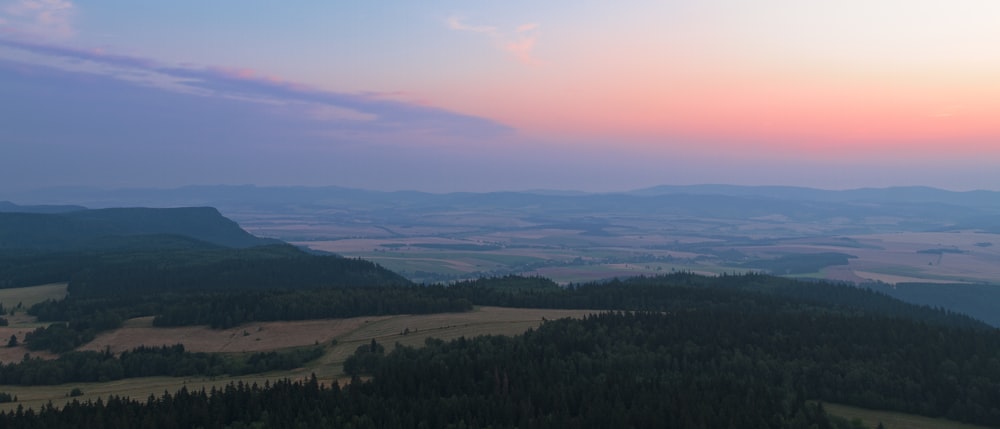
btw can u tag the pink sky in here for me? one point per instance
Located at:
(892, 86)
(921, 80)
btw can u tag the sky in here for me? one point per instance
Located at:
(446, 96)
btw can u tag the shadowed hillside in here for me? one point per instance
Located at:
(90, 229)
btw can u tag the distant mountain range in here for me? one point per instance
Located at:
(265, 195)
(908, 194)
(920, 208)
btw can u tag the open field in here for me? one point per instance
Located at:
(562, 255)
(28, 296)
(349, 334)
(260, 336)
(20, 323)
(265, 336)
(888, 258)
(583, 246)
(893, 420)
(15, 354)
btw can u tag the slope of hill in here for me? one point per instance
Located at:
(88, 229)
(193, 247)
(7, 206)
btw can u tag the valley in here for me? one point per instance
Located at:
(731, 293)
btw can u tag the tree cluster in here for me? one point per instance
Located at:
(223, 310)
(91, 366)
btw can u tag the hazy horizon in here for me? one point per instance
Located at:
(452, 96)
(113, 189)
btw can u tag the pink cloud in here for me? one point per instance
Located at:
(520, 44)
(37, 18)
(522, 50)
(527, 27)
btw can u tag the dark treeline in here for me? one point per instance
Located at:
(286, 404)
(686, 291)
(91, 366)
(28, 268)
(79, 320)
(265, 267)
(223, 310)
(155, 266)
(699, 366)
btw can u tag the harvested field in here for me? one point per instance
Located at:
(842, 273)
(21, 323)
(31, 295)
(252, 337)
(349, 333)
(264, 336)
(895, 279)
(16, 354)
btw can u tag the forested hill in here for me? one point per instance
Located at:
(94, 229)
(258, 268)
(734, 351)
(123, 250)
(687, 291)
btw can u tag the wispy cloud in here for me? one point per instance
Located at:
(381, 114)
(522, 50)
(520, 43)
(456, 23)
(112, 120)
(527, 27)
(50, 19)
